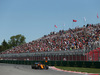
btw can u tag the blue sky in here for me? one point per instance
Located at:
(35, 18)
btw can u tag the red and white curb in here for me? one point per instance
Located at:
(54, 68)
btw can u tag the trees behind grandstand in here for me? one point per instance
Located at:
(4, 46)
(14, 41)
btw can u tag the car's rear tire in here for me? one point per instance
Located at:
(46, 67)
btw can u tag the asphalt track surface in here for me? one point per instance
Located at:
(13, 69)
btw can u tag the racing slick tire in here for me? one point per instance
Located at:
(33, 67)
(46, 67)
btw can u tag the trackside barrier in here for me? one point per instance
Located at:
(89, 64)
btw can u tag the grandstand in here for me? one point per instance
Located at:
(79, 44)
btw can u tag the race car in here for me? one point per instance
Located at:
(38, 65)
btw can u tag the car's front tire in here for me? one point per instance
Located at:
(32, 67)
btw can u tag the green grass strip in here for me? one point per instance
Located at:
(80, 69)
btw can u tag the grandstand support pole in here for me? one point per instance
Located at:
(68, 56)
(40, 57)
(76, 56)
(57, 56)
(64, 56)
(32, 57)
(80, 57)
(98, 55)
(53, 57)
(88, 55)
(50, 56)
(84, 55)
(35, 56)
(72, 56)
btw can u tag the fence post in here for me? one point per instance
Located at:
(68, 56)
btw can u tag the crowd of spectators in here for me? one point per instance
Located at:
(72, 39)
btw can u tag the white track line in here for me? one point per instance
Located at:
(54, 68)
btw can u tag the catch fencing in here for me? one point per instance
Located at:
(88, 53)
(74, 55)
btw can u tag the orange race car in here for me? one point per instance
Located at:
(38, 65)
